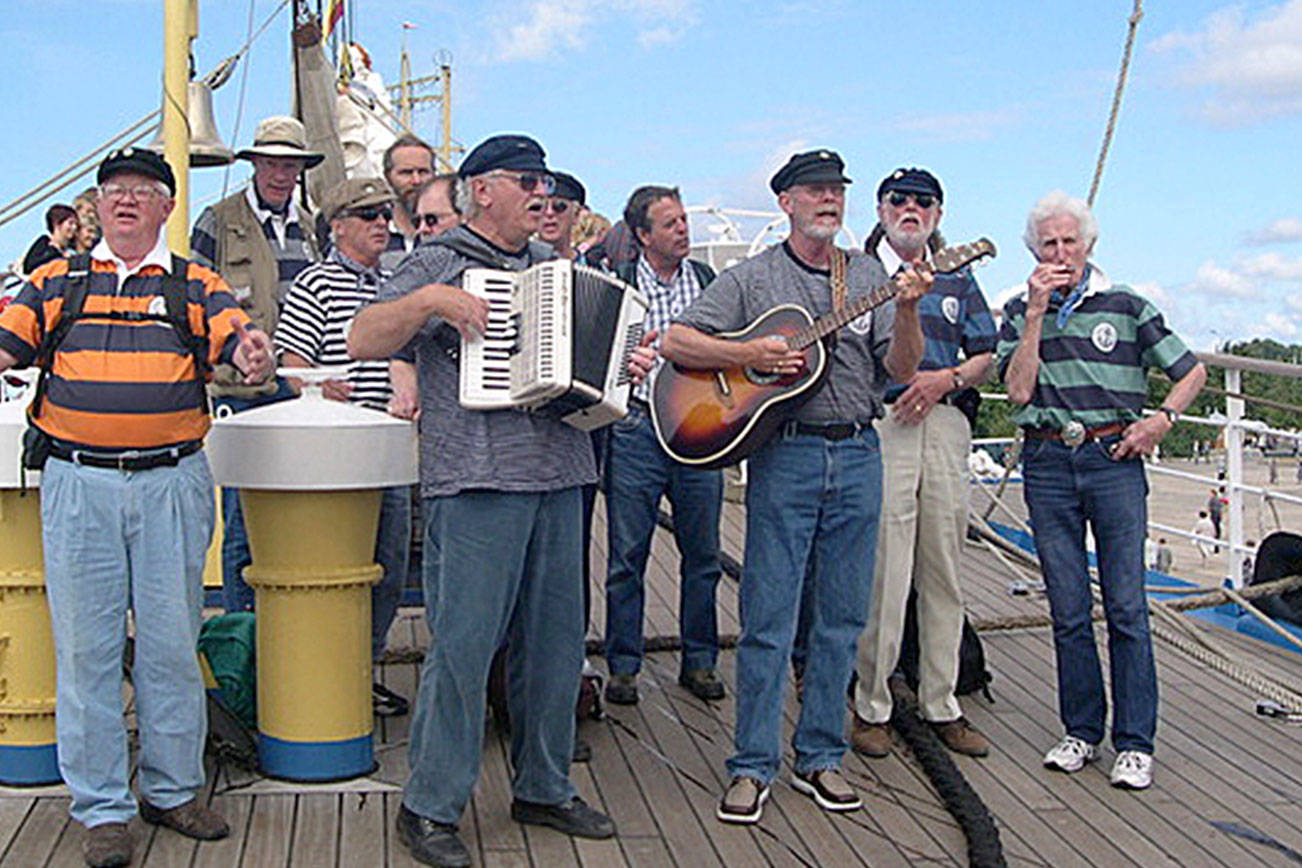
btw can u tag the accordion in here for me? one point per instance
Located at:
(558, 342)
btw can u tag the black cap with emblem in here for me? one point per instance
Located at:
(811, 167)
(910, 180)
(569, 187)
(141, 161)
(517, 153)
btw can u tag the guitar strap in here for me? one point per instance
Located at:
(839, 287)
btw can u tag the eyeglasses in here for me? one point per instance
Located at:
(529, 181)
(119, 192)
(556, 206)
(924, 200)
(369, 214)
(431, 221)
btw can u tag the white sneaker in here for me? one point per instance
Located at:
(1133, 770)
(1071, 754)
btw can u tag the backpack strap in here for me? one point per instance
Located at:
(74, 299)
(175, 286)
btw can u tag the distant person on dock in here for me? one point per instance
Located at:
(1215, 508)
(814, 489)
(925, 438)
(62, 224)
(1165, 558)
(502, 508)
(1203, 527)
(127, 500)
(258, 239)
(1074, 351)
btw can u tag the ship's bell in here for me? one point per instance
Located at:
(206, 146)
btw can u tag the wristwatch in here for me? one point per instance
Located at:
(1171, 415)
(958, 380)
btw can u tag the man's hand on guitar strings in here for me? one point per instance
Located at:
(773, 355)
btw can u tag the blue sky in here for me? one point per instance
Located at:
(1200, 205)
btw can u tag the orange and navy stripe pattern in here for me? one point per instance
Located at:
(122, 384)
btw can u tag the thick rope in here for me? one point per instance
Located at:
(1135, 17)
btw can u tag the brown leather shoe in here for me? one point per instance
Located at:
(962, 737)
(870, 739)
(190, 819)
(108, 845)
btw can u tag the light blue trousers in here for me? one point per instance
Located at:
(116, 540)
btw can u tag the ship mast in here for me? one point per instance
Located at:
(180, 27)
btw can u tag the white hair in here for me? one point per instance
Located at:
(463, 198)
(1056, 204)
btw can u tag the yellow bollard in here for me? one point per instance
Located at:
(312, 573)
(28, 755)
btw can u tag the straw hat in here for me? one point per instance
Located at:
(281, 136)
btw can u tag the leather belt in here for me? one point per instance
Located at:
(638, 404)
(827, 430)
(130, 459)
(1084, 435)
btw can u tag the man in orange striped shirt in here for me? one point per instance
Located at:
(127, 500)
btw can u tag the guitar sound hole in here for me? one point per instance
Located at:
(762, 378)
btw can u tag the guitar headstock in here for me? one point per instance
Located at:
(954, 258)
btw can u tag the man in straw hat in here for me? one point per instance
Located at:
(258, 239)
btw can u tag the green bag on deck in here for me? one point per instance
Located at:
(227, 644)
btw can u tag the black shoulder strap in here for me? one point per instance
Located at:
(704, 273)
(175, 286)
(74, 299)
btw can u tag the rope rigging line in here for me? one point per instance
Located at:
(1134, 20)
(239, 106)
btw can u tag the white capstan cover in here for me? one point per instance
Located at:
(312, 444)
(13, 422)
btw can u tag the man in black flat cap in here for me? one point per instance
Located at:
(814, 490)
(560, 212)
(925, 439)
(502, 510)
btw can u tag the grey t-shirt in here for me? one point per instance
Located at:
(856, 378)
(460, 449)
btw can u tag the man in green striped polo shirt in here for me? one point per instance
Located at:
(1074, 350)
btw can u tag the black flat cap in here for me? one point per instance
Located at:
(141, 161)
(518, 153)
(569, 187)
(811, 167)
(910, 180)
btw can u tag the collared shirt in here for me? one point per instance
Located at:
(278, 221)
(398, 247)
(954, 316)
(120, 383)
(1093, 367)
(314, 323)
(666, 300)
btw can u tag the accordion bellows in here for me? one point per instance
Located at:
(558, 342)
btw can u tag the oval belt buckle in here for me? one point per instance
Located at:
(1073, 433)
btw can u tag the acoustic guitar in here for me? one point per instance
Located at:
(713, 418)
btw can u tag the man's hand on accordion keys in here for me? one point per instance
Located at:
(467, 313)
(643, 358)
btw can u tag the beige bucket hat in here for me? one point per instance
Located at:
(281, 136)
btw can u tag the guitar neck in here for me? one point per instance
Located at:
(831, 322)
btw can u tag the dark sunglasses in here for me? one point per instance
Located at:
(924, 200)
(529, 181)
(369, 214)
(430, 221)
(558, 206)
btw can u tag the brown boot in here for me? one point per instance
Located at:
(962, 737)
(870, 739)
(190, 819)
(107, 845)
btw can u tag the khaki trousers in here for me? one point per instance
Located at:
(923, 524)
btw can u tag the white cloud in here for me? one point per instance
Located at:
(1250, 66)
(957, 126)
(1281, 325)
(1154, 292)
(1215, 280)
(1294, 301)
(1272, 266)
(551, 27)
(1278, 231)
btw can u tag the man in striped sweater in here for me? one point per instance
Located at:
(312, 331)
(1074, 350)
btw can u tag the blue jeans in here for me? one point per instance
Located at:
(1065, 488)
(236, 595)
(498, 566)
(807, 497)
(639, 473)
(115, 541)
(392, 552)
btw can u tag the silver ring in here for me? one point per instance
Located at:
(918, 408)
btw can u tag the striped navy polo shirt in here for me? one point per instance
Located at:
(1094, 369)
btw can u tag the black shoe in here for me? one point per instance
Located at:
(386, 703)
(433, 843)
(622, 689)
(582, 751)
(702, 683)
(573, 818)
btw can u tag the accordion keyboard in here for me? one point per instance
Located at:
(486, 363)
